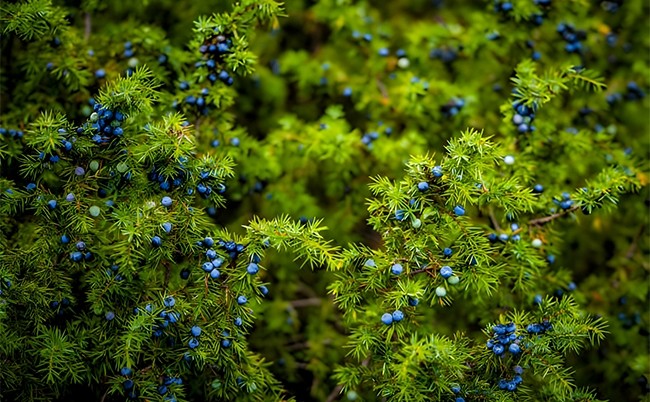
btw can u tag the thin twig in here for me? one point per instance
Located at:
(635, 242)
(547, 219)
(88, 26)
(312, 301)
(382, 88)
(493, 219)
(336, 391)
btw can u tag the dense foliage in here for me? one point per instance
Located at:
(324, 200)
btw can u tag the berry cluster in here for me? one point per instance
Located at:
(214, 50)
(168, 183)
(163, 389)
(128, 383)
(81, 253)
(167, 317)
(105, 123)
(572, 37)
(214, 260)
(128, 50)
(446, 54)
(58, 306)
(451, 108)
(11, 133)
(504, 339)
(456, 390)
(504, 237)
(369, 138)
(523, 117)
(207, 183)
(565, 202)
(511, 385)
(539, 328)
(502, 7)
(194, 101)
(233, 249)
(389, 318)
(634, 92)
(113, 270)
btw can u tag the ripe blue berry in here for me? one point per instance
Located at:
(166, 202)
(76, 256)
(193, 343)
(127, 384)
(225, 343)
(215, 274)
(65, 239)
(446, 271)
(185, 274)
(413, 301)
(400, 215)
(169, 301)
(207, 266)
(241, 300)
(447, 252)
(423, 186)
(110, 316)
(69, 197)
(195, 331)
(264, 290)
(167, 227)
(101, 73)
(211, 254)
(396, 269)
(156, 241)
(458, 210)
(514, 348)
(252, 268)
(537, 299)
(387, 318)
(51, 204)
(81, 246)
(397, 316)
(208, 242)
(498, 349)
(238, 321)
(125, 371)
(436, 171)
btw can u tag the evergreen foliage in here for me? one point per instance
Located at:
(332, 200)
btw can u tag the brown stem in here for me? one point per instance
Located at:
(494, 221)
(635, 242)
(382, 88)
(336, 391)
(547, 219)
(88, 26)
(313, 301)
